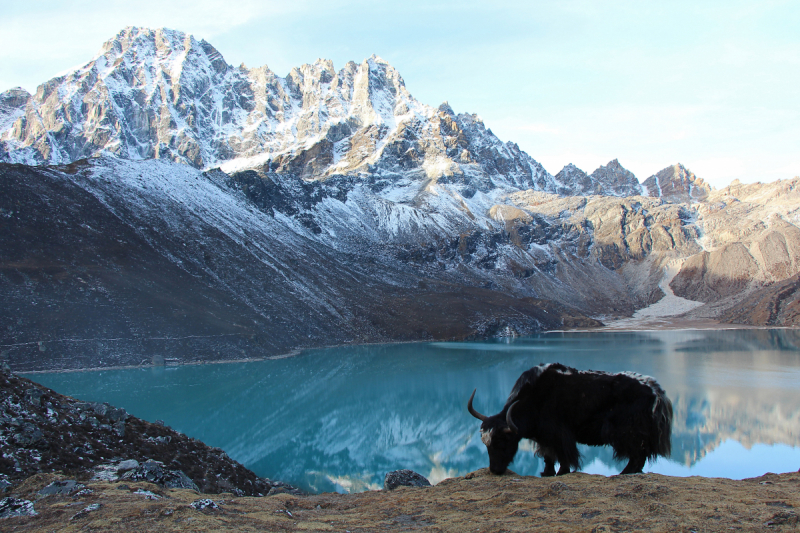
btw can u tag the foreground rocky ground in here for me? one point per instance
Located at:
(476, 502)
(42, 431)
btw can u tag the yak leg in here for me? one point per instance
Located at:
(549, 468)
(635, 465)
(568, 455)
(549, 457)
(565, 452)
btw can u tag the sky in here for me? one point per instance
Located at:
(714, 85)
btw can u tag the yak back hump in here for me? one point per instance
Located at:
(578, 398)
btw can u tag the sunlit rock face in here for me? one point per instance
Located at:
(12, 106)
(614, 180)
(676, 184)
(731, 241)
(750, 240)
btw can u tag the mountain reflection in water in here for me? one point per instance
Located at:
(340, 418)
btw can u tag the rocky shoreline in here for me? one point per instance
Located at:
(42, 431)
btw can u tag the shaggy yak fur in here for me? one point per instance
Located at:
(557, 407)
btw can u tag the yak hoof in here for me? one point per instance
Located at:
(634, 466)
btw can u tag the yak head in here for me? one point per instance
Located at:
(500, 436)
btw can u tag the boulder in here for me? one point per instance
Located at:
(29, 436)
(115, 414)
(154, 472)
(404, 478)
(15, 507)
(128, 464)
(66, 486)
(33, 396)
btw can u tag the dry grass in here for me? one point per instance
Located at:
(476, 502)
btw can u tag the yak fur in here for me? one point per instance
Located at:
(557, 407)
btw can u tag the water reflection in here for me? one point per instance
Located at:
(339, 419)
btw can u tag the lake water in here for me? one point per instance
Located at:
(340, 418)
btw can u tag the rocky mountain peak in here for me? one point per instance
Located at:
(615, 180)
(376, 62)
(610, 180)
(445, 108)
(575, 178)
(134, 44)
(379, 93)
(676, 184)
(12, 106)
(15, 97)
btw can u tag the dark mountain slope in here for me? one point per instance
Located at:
(94, 273)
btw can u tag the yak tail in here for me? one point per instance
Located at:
(662, 419)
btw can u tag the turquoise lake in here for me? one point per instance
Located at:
(341, 418)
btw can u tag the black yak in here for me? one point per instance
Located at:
(557, 407)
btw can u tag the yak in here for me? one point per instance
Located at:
(557, 407)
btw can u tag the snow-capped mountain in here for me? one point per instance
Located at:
(189, 199)
(163, 94)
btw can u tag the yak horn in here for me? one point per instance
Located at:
(472, 410)
(511, 427)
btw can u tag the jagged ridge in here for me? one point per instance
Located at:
(163, 94)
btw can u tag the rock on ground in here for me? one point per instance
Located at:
(404, 478)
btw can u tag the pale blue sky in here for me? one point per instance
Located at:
(711, 84)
